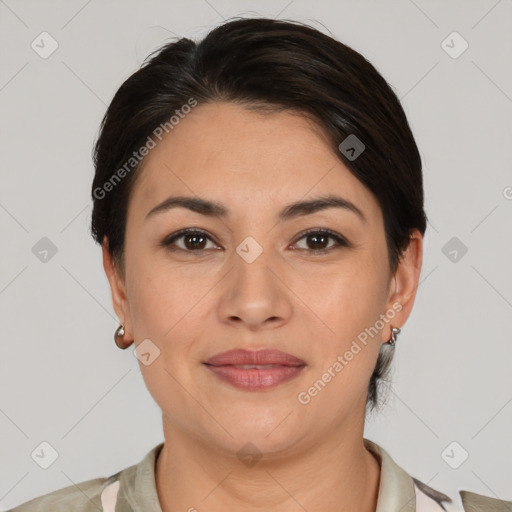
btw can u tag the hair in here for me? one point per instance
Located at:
(268, 65)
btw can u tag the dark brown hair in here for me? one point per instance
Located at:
(271, 65)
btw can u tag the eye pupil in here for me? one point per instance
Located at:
(195, 237)
(317, 237)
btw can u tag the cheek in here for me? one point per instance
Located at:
(162, 312)
(353, 299)
(156, 300)
(350, 303)
(168, 309)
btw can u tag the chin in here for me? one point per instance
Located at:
(268, 433)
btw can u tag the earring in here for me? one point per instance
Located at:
(394, 335)
(118, 338)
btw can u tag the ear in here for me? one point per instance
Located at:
(118, 290)
(405, 282)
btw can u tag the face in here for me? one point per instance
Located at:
(259, 276)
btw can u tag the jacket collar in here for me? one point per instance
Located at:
(137, 489)
(396, 487)
(137, 485)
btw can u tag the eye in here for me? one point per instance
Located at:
(319, 238)
(194, 240)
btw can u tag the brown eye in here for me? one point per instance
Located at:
(317, 240)
(191, 241)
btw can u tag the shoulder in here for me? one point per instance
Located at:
(131, 488)
(431, 500)
(400, 491)
(87, 496)
(474, 502)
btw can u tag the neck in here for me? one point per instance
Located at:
(339, 474)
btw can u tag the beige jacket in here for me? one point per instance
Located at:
(133, 490)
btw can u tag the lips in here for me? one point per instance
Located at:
(255, 370)
(257, 358)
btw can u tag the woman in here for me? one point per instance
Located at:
(258, 199)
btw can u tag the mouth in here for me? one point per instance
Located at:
(255, 370)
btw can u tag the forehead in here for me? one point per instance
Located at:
(255, 160)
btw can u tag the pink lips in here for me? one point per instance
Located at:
(269, 368)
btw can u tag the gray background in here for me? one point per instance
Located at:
(62, 378)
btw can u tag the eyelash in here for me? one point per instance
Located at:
(341, 242)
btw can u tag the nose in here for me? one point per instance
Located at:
(255, 294)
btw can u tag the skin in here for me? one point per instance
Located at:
(195, 304)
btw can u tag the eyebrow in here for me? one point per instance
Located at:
(294, 210)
